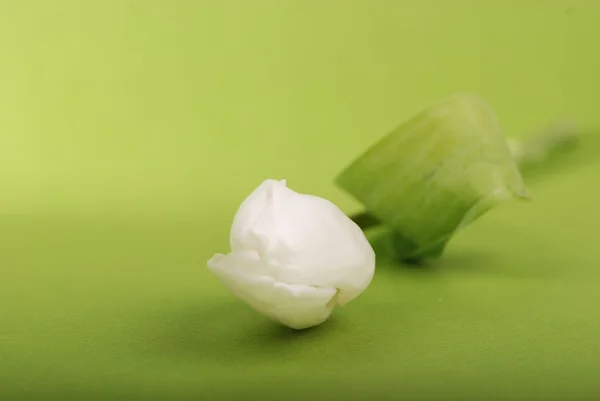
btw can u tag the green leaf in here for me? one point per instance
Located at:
(435, 174)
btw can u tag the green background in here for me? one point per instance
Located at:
(130, 131)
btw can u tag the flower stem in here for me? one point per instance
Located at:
(365, 220)
(542, 146)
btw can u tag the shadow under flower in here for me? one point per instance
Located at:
(491, 258)
(382, 242)
(226, 332)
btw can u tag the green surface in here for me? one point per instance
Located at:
(130, 131)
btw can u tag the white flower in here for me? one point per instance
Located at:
(294, 257)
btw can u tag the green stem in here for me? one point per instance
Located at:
(542, 146)
(365, 220)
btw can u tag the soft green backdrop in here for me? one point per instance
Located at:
(130, 131)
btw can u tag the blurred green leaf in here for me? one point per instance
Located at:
(435, 174)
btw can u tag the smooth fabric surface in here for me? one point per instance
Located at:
(130, 131)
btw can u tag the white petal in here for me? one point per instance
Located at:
(296, 306)
(256, 207)
(294, 257)
(304, 239)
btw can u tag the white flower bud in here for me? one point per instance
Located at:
(294, 257)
